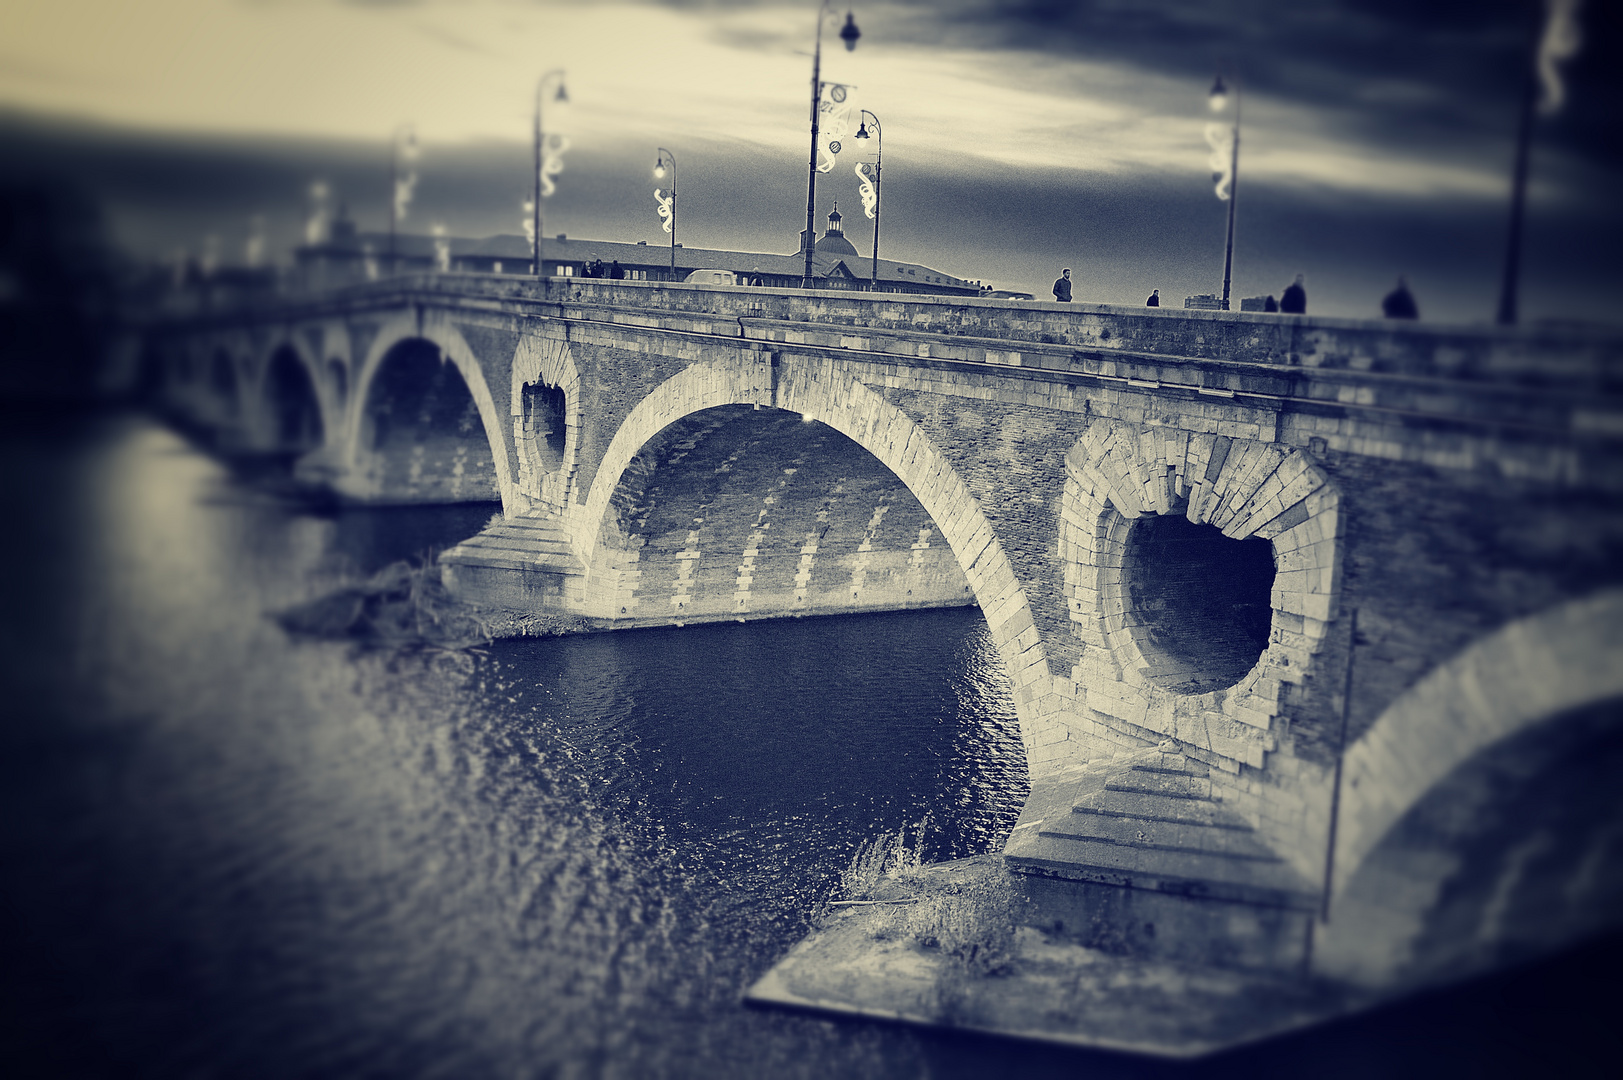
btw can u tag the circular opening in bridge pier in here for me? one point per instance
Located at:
(1199, 603)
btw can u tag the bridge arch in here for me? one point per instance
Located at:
(292, 416)
(902, 447)
(368, 477)
(1516, 678)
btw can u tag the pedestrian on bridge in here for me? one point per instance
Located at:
(1399, 303)
(1062, 286)
(1155, 298)
(1294, 302)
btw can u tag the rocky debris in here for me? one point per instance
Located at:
(404, 604)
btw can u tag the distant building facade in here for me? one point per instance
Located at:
(349, 255)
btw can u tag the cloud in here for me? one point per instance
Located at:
(1353, 94)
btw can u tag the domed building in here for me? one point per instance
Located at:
(349, 255)
(834, 241)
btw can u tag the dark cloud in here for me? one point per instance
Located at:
(1396, 72)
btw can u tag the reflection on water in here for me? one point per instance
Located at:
(225, 853)
(255, 855)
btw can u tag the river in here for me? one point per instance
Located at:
(230, 852)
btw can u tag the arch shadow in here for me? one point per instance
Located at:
(450, 350)
(891, 437)
(291, 418)
(1515, 678)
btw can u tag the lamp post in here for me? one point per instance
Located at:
(1219, 101)
(879, 160)
(849, 34)
(407, 135)
(1518, 196)
(1557, 41)
(535, 208)
(659, 173)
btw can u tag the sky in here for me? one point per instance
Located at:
(1019, 135)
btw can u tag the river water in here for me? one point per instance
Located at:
(233, 853)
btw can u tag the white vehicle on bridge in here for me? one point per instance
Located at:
(712, 277)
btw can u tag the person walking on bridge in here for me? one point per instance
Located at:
(1062, 286)
(1294, 302)
(1155, 298)
(1399, 303)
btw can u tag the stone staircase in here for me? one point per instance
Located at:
(534, 544)
(1154, 823)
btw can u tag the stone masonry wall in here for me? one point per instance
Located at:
(1460, 478)
(735, 512)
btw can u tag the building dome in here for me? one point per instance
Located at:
(834, 241)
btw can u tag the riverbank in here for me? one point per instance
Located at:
(968, 946)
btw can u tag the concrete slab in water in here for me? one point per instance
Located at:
(866, 961)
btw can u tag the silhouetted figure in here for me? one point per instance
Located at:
(1062, 286)
(1270, 304)
(1399, 303)
(1155, 298)
(1294, 302)
(755, 277)
(616, 272)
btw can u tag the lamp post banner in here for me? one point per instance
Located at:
(835, 113)
(1559, 42)
(664, 208)
(870, 195)
(1221, 139)
(552, 161)
(405, 185)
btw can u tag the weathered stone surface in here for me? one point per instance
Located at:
(1461, 489)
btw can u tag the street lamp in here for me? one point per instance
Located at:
(879, 159)
(1557, 41)
(1219, 100)
(849, 34)
(659, 174)
(535, 209)
(403, 144)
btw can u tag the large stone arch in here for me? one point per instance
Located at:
(454, 348)
(225, 379)
(843, 403)
(1120, 472)
(546, 473)
(1521, 675)
(262, 429)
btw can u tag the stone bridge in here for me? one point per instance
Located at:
(1314, 626)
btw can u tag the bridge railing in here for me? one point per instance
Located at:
(1568, 356)
(1540, 354)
